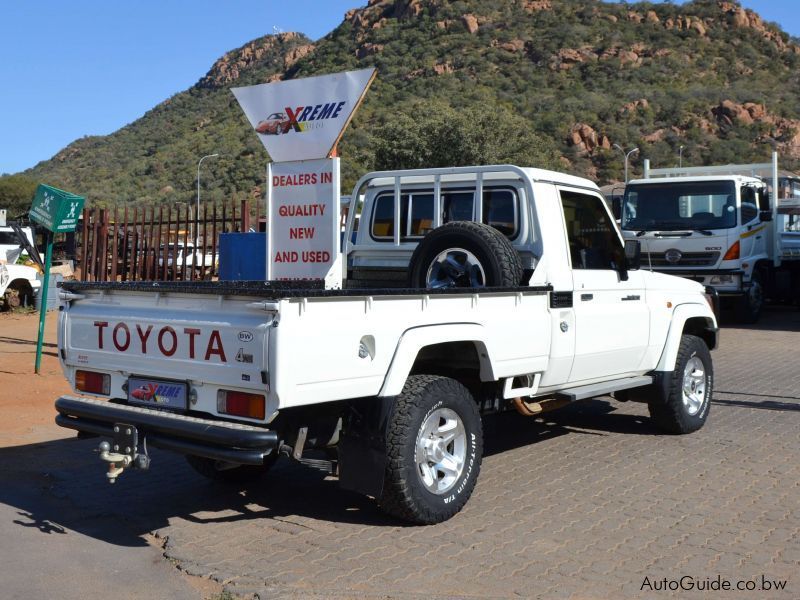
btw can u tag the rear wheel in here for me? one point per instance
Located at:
(229, 473)
(434, 450)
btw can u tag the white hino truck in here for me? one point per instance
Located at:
(734, 227)
(467, 291)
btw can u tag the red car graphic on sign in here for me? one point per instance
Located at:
(275, 124)
(145, 392)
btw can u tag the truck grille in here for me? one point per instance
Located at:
(687, 259)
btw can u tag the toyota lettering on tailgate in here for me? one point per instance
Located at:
(166, 340)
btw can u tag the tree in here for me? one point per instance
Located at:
(16, 194)
(432, 134)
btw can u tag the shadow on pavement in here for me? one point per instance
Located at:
(773, 318)
(18, 341)
(60, 485)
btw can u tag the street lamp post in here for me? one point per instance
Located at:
(680, 157)
(627, 156)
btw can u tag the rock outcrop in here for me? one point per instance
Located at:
(586, 139)
(636, 105)
(230, 67)
(783, 131)
(471, 23)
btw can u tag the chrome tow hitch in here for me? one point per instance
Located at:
(123, 451)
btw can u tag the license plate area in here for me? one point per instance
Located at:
(158, 393)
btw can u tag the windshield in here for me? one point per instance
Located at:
(673, 206)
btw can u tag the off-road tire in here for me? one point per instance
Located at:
(404, 493)
(19, 294)
(207, 467)
(501, 263)
(668, 411)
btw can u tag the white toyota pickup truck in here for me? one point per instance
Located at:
(526, 300)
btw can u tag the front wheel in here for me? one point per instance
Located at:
(434, 448)
(684, 406)
(19, 294)
(752, 302)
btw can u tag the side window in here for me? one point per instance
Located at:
(383, 216)
(749, 208)
(499, 211)
(593, 242)
(421, 214)
(457, 206)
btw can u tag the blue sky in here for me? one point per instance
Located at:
(89, 67)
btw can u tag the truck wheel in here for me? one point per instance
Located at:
(434, 445)
(213, 469)
(688, 391)
(465, 254)
(19, 293)
(750, 305)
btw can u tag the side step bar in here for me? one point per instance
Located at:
(601, 389)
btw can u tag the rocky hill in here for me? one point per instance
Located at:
(708, 75)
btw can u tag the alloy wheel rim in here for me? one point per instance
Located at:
(455, 267)
(441, 450)
(694, 385)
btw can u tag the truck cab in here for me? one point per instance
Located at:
(720, 226)
(709, 229)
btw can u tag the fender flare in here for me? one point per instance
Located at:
(681, 314)
(416, 338)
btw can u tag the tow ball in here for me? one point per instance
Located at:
(123, 452)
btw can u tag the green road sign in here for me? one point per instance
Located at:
(56, 210)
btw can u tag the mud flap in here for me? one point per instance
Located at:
(362, 446)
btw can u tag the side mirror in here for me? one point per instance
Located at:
(763, 200)
(633, 254)
(765, 216)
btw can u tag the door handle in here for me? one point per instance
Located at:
(631, 297)
(587, 296)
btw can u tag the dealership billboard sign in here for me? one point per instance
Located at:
(303, 119)
(303, 238)
(300, 122)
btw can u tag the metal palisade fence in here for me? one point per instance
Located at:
(164, 243)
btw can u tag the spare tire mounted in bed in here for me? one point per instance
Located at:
(465, 254)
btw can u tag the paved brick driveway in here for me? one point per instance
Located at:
(584, 504)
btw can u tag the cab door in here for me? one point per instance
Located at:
(612, 319)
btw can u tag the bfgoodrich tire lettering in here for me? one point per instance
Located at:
(429, 415)
(687, 400)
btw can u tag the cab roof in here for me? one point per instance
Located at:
(742, 179)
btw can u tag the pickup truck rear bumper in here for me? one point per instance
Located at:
(218, 440)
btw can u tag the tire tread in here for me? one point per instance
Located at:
(506, 255)
(397, 498)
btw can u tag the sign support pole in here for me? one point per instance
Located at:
(269, 221)
(43, 299)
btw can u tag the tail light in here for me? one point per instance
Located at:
(733, 252)
(241, 404)
(93, 383)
